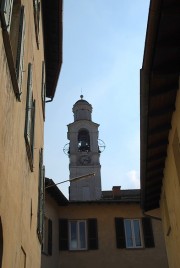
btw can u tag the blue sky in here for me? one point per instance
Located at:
(103, 44)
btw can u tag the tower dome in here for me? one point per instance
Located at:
(82, 110)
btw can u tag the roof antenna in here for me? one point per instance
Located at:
(81, 96)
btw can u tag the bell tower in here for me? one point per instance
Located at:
(84, 153)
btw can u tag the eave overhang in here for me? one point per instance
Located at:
(52, 31)
(55, 193)
(159, 81)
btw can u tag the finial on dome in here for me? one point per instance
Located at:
(81, 96)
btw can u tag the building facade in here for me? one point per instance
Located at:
(160, 121)
(28, 74)
(109, 232)
(104, 230)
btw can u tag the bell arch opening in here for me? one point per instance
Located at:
(83, 140)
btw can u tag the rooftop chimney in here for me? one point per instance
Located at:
(116, 192)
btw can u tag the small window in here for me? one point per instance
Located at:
(13, 24)
(133, 233)
(77, 235)
(30, 119)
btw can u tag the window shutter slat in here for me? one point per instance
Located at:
(92, 234)
(63, 234)
(6, 11)
(148, 232)
(49, 237)
(20, 48)
(120, 233)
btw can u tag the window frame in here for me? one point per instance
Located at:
(78, 235)
(133, 233)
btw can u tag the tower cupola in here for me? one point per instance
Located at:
(82, 110)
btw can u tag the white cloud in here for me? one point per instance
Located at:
(134, 178)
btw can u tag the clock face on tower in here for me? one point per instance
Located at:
(85, 160)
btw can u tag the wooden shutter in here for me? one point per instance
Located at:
(33, 128)
(20, 48)
(41, 197)
(120, 233)
(43, 88)
(92, 234)
(49, 237)
(6, 11)
(29, 105)
(148, 232)
(63, 234)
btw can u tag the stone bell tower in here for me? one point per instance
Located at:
(84, 153)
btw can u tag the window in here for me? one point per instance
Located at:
(13, 24)
(78, 234)
(47, 236)
(134, 233)
(30, 119)
(40, 216)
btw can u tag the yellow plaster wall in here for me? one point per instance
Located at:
(170, 198)
(51, 212)
(18, 185)
(107, 255)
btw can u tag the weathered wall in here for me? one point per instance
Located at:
(171, 191)
(19, 186)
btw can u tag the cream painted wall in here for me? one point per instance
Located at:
(107, 255)
(19, 186)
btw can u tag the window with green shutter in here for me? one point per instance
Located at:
(30, 118)
(130, 233)
(13, 24)
(6, 11)
(78, 234)
(20, 49)
(40, 215)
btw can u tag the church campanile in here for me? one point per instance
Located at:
(84, 153)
